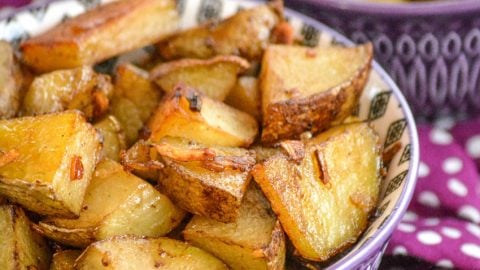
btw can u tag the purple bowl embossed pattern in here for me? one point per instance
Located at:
(382, 104)
(431, 49)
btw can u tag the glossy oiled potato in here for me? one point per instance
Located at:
(129, 252)
(11, 82)
(116, 203)
(309, 89)
(64, 260)
(245, 96)
(113, 137)
(101, 33)
(338, 181)
(47, 161)
(255, 240)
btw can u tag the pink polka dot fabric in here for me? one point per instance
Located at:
(442, 224)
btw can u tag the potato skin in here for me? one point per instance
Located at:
(293, 108)
(101, 33)
(245, 34)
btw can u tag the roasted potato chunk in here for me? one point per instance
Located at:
(189, 114)
(47, 161)
(309, 89)
(116, 203)
(80, 88)
(11, 82)
(246, 34)
(338, 180)
(64, 260)
(135, 98)
(113, 137)
(101, 33)
(245, 96)
(255, 240)
(129, 252)
(141, 160)
(214, 77)
(207, 181)
(22, 248)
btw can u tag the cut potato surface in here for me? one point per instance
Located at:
(255, 240)
(128, 252)
(189, 114)
(64, 260)
(113, 137)
(245, 34)
(309, 89)
(116, 203)
(245, 96)
(101, 33)
(10, 82)
(214, 77)
(22, 248)
(48, 161)
(338, 183)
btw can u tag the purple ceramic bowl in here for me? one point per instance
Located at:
(431, 49)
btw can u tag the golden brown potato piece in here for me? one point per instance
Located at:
(189, 114)
(46, 162)
(116, 203)
(22, 248)
(207, 181)
(246, 34)
(255, 240)
(113, 137)
(101, 33)
(80, 88)
(135, 98)
(214, 77)
(338, 181)
(64, 260)
(262, 153)
(129, 252)
(141, 160)
(10, 82)
(309, 89)
(245, 96)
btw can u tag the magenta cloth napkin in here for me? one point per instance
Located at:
(442, 222)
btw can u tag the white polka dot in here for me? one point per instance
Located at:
(457, 187)
(445, 122)
(423, 170)
(451, 232)
(445, 263)
(431, 221)
(406, 228)
(409, 216)
(471, 250)
(469, 212)
(429, 238)
(473, 146)
(452, 165)
(440, 136)
(399, 250)
(473, 229)
(429, 198)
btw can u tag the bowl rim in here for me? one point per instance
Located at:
(381, 237)
(447, 7)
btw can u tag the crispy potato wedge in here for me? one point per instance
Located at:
(47, 161)
(101, 33)
(142, 160)
(255, 240)
(116, 203)
(80, 88)
(135, 98)
(309, 89)
(129, 252)
(246, 34)
(113, 137)
(245, 96)
(22, 248)
(11, 82)
(207, 181)
(214, 77)
(338, 181)
(64, 260)
(189, 114)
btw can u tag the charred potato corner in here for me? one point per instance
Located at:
(231, 145)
